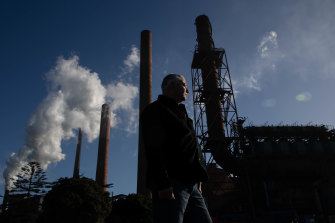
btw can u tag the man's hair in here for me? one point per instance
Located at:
(168, 79)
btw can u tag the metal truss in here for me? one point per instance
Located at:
(231, 120)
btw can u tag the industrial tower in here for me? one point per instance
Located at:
(273, 173)
(215, 114)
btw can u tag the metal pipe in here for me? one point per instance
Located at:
(77, 160)
(5, 200)
(145, 99)
(102, 163)
(211, 92)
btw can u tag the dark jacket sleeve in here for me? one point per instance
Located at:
(154, 136)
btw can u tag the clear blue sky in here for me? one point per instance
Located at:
(60, 60)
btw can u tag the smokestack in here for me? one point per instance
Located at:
(210, 78)
(211, 95)
(102, 163)
(145, 99)
(78, 152)
(5, 201)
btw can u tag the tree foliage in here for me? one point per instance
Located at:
(24, 199)
(130, 209)
(30, 181)
(76, 200)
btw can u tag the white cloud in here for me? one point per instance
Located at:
(251, 81)
(121, 96)
(264, 63)
(81, 95)
(133, 60)
(268, 44)
(74, 100)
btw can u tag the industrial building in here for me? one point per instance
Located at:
(257, 173)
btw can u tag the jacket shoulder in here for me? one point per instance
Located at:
(151, 110)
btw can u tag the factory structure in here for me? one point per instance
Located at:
(256, 173)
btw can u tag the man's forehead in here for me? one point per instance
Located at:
(181, 78)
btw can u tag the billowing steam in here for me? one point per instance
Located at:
(74, 100)
(123, 96)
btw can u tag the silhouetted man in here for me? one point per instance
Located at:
(175, 165)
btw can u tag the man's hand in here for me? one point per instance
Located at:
(166, 194)
(200, 187)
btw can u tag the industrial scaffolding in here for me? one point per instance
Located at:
(266, 173)
(232, 123)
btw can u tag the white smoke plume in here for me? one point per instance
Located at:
(265, 61)
(74, 100)
(121, 98)
(132, 61)
(268, 44)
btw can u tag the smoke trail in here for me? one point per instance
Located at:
(265, 62)
(74, 100)
(122, 98)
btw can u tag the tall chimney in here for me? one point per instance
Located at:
(102, 163)
(210, 79)
(145, 99)
(211, 93)
(78, 152)
(5, 200)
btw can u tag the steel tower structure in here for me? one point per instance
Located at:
(266, 170)
(221, 143)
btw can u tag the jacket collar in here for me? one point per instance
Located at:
(170, 105)
(169, 102)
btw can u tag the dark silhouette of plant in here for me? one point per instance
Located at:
(30, 181)
(76, 200)
(24, 199)
(130, 209)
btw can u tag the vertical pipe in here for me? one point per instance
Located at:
(5, 201)
(102, 163)
(210, 80)
(145, 99)
(77, 160)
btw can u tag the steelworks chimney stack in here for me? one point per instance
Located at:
(145, 99)
(102, 163)
(5, 200)
(77, 160)
(211, 93)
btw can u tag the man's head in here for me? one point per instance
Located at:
(174, 86)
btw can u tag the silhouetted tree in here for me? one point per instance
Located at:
(24, 199)
(76, 200)
(31, 181)
(134, 208)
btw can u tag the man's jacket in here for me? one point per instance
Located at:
(171, 147)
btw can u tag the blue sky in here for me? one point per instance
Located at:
(59, 60)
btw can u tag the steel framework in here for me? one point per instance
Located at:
(232, 123)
